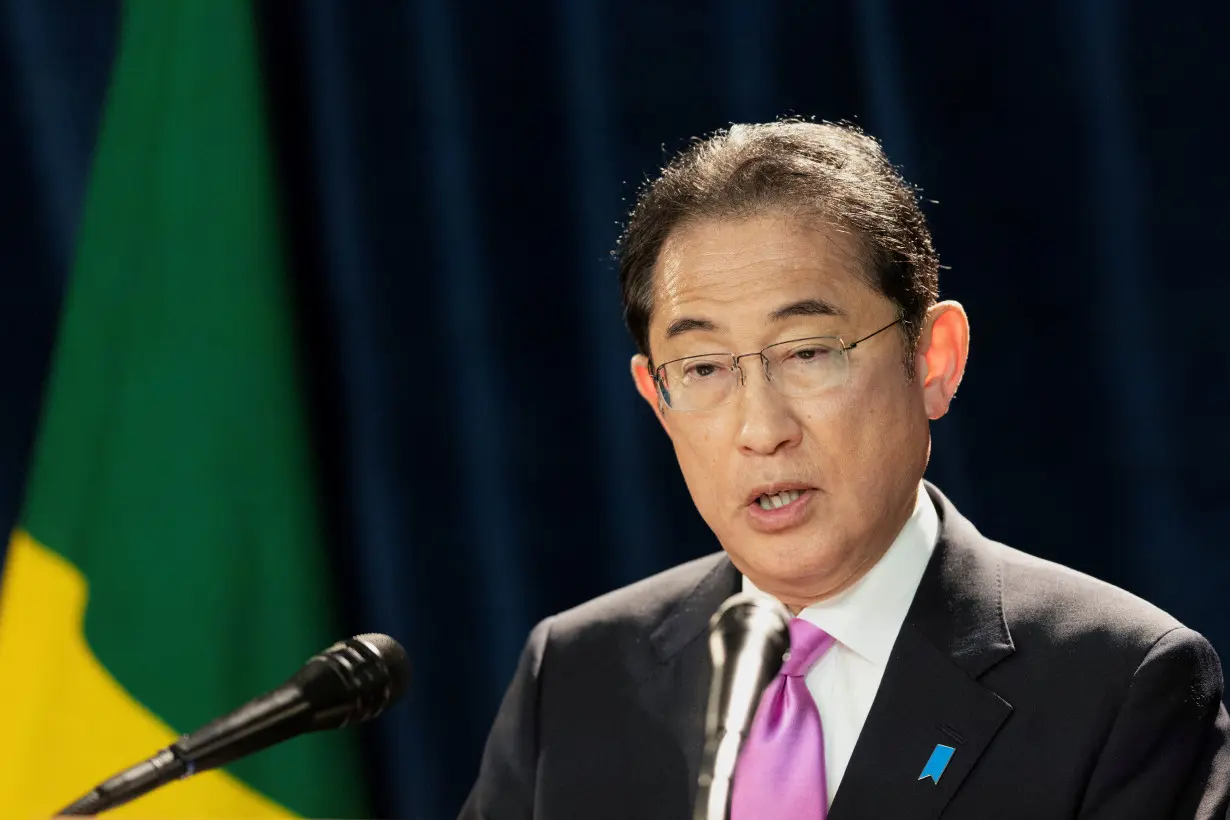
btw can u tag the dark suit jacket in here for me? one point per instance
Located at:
(1063, 696)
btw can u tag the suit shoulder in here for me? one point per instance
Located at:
(620, 635)
(645, 603)
(1068, 606)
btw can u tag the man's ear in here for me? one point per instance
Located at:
(645, 386)
(943, 350)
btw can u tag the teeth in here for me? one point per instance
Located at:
(779, 500)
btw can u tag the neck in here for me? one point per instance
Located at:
(797, 597)
(796, 602)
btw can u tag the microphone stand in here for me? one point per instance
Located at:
(748, 638)
(130, 784)
(713, 790)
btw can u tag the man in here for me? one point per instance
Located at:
(780, 284)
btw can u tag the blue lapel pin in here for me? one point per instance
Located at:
(937, 763)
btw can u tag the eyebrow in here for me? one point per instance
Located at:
(804, 307)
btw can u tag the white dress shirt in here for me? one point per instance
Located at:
(864, 620)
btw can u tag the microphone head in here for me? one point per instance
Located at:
(749, 636)
(354, 680)
(394, 658)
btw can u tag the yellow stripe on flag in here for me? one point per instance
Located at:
(69, 723)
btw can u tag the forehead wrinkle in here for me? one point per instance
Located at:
(703, 269)
(726, 275)
(766, 251)
(838, 246)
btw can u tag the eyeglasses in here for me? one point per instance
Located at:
(798, 368)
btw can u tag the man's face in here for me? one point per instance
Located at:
(855, 451)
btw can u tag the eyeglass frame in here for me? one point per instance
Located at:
(735, 357)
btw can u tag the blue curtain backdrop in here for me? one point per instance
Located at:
(453, 174)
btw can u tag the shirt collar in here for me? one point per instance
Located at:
(867, 617)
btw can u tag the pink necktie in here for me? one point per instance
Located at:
(780, 774)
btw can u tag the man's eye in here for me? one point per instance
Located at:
(701, 370)
(811, 353)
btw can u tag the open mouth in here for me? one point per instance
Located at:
(776, 501)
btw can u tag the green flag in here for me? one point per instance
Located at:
(169, 562)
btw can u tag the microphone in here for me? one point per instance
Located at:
(353, 681)
(749, 636)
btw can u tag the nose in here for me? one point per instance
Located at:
(767, 422)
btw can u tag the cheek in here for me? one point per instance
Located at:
(837, 426)
(698, 447)
(858, 434)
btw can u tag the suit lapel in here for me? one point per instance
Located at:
(930, 695)
(677, 690)
(924, 701)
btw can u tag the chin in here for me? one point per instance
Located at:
(773, 567)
